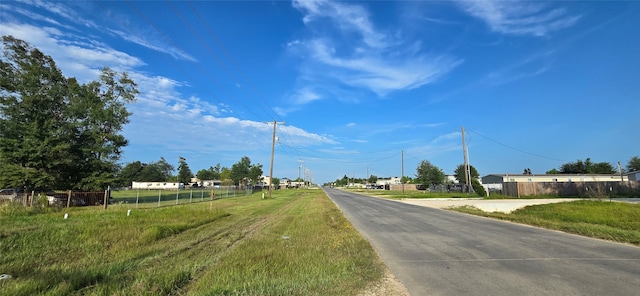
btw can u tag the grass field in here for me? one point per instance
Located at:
(297, 243)
(615, 221)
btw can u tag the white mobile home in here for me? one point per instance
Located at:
(156, 185)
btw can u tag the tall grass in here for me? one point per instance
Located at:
(297, 243)
(615, 221)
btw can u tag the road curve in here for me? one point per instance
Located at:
(438, 252)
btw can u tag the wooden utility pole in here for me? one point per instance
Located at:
(467, 170)
(273, 146)
(402, 178)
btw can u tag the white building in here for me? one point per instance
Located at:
(156, 185)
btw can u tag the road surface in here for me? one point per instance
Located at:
(439, 252)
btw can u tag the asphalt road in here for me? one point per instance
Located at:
(439, 252)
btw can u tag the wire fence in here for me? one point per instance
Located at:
(140, 198)
(143, 198)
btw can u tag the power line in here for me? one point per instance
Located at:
(516, 149)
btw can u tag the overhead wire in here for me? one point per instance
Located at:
(516, 149)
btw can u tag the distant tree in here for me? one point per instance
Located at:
(131, 172)
(205, 174)
(634, 164)
(243, 172)
(159, 171)
(372, 179)
(255, 173)
(459, 174)
(553, 172)
(406, 180)
(429, 174)
(225, 176)
(275, 182)
(184, 172)
(587, 167)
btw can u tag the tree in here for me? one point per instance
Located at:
(159, 171)
(406, 180)
(634, 164)
(255, 173)
(212, 173)
(184, 172)
(429, 174)
(55, 132)
(459, 174)
(553, 172)
(477, 187)
(244, 172)
(587, 167)
(372, 179)
(130, 173)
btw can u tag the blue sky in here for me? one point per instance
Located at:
(535, 84)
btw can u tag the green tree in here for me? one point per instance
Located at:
(587, 167)
(634, 164)
(459, 174)
(255, 173)
(130, 173)
(372, 179)
(553, 172)
(406, 180)
(477, 187)
(54, 132)
(429, 174)
(184, 172)
(159, 171)
(212, 173)
(243, 172)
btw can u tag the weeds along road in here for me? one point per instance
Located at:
(438, 252)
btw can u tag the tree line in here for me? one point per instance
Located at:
(241, 173)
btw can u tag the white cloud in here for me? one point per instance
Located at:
(520, 17)
(370, 59)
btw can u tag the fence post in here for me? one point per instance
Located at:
(68, 198)
(106, 198)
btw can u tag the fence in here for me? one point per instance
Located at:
(140, 197)
(58, 198)
(157, 198)
(573, 189)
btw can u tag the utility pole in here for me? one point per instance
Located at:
(402, 178)
(273, 147)
(467, 170)
(299, 171)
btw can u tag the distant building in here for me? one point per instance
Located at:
(520, 178)
(156, 185)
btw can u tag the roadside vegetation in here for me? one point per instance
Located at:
(616, 221)
(398, 194)
(297, 243)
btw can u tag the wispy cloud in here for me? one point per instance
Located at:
(520, 17)
(347, 49)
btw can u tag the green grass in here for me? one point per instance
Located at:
(398, 194)
(615, 221)
(297, 243)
